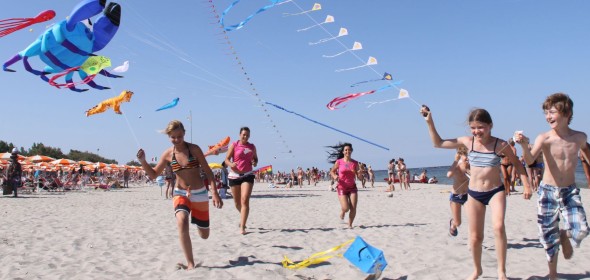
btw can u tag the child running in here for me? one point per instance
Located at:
(345, 171)
(486, 185)
(459, 172)
(559, 198)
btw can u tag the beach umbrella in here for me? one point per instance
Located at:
(7, 156)
(100, 165)
(63, 161)
(83, 162)
(40, 158)
(214, 165)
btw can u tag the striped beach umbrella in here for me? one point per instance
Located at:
(64, 161)
(40, 158)
(7, 156)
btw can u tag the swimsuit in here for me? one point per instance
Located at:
(458, 198)
(555, 203)
(484, 159)
(485, 197)
(195, 203)
(192, 162)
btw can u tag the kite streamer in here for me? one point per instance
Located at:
(386, 77)
(370, 61)
(316, 7)
(172, 104)
(10, 25)
(315, 258)
(327, 126)
(329, 19)
(333, 105)
(242, 23)
(355, 47)
(343, 32)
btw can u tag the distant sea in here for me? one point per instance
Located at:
(441, 174)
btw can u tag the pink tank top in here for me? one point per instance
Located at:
(243, 154)
(347, 172)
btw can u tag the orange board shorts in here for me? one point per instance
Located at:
(196, 204)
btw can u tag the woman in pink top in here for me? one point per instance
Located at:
(241, 157)
(345, 171)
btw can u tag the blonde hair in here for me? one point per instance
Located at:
(173, 125)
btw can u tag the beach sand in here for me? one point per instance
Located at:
(131, 234)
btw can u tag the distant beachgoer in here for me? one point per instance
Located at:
(126, 175)
(371, 176)
(345, 170)
(585, 166)
(507, 169)
(13, 175)
(485, 186)
(559, 197)
(458, 172)
(401, 172)
(170, 179)
(391, 175)
(191, 198)
(241, 159)
(299, 176)
(423, 177)
(433, 180)
(362, 172)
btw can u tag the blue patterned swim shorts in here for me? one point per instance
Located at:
(556, 202)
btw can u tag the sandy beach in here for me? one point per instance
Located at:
(131, 234)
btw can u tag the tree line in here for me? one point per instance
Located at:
(41, 149)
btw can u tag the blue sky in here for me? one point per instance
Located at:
(504, 56)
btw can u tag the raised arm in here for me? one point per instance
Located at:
(150, 172)
(529, 154)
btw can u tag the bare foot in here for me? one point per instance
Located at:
(502, 276)
(182, 266)
(475, 274)
(566, 245)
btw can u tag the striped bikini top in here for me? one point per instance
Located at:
(480, 159)
(192, 162)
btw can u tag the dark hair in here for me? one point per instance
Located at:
(337, 152)
(244, 128)
(562, 102)
(480, 115)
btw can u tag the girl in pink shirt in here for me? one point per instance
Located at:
(345, 171)
(241, 158)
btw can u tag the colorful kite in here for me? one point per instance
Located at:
(329, 19)
(87, 71)
(122, 68)
(402, 94)
(343, 32)
(173, 103)
(114, 103)
(69, 43)
(10, 25)
(386, 77)
(242, 23)
(355, 47)
(327, 126)
(333, 105)
(370, 61)
(316, 7)
(219, 147)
